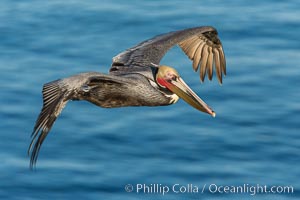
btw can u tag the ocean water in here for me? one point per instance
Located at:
(94, 153)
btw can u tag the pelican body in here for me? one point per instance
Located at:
(136, 78)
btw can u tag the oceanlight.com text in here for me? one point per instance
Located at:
(251, 189)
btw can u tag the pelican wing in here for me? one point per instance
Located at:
(201, 44)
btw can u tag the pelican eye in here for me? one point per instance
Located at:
(173, 78)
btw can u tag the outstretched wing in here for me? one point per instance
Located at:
(201, 44)
(56, 95)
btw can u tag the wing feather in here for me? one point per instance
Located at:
(197, 57)
(203, 63)
(192, 51)
(218, 64)
(188, 44)
(222, 60)
(210, 63)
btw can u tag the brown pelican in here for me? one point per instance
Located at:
(136, 78)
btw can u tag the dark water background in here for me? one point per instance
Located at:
(92, 153)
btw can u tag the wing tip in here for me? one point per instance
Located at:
(54, 100)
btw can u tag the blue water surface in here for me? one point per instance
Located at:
(93, 153)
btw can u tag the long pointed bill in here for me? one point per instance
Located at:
(180, 88)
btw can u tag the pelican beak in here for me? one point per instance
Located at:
(180, 88)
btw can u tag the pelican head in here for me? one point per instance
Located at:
(169, 78)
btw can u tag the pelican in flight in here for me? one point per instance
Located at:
(135, 78)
